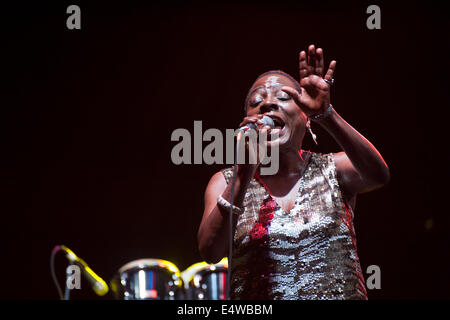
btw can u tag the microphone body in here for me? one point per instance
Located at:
(98, 284)
(266, 120)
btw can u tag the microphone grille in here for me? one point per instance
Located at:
(268, 121)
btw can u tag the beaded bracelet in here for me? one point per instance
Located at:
(227, 206)
(322, 115)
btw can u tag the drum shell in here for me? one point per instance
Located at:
(147, 281)
(209, 283)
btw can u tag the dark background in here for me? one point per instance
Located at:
(87, 117)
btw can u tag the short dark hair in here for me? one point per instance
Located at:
(280, 72)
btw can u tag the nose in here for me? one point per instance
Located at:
(268, 105)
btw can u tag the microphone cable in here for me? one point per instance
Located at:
(52, 270)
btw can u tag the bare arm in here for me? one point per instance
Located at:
(360, 167)
(213, 233)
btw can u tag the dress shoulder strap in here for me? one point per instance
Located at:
(228, 174)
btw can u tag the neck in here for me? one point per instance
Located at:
(291, 163)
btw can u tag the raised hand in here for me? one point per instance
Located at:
(315, 94)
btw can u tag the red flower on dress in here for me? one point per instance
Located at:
(266, 213)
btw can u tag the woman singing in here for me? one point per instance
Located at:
(293, 231)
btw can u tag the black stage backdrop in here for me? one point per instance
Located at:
(87, 118)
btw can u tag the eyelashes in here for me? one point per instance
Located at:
(254, 103)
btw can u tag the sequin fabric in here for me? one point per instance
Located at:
(308, 253)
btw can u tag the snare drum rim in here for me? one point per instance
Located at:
(201, 267)
(150, 262)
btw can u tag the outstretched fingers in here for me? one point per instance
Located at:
(303, 65)
(330, 71)
(311, 59)
(319, 62)
(311, 62)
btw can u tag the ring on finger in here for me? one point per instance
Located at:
(330, 82)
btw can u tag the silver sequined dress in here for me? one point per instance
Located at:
(308, 253)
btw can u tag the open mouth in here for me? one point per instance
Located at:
(279, 123)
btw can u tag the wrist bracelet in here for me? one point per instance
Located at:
(227, 206)
(322, 115)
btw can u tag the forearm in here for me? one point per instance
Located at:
(213, 234)
(363, 155)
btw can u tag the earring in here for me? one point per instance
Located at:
(308, 125)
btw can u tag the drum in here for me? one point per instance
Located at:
(204, 281)
(147, 279)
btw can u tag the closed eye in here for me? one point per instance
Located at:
(255, 103)
(283, 96)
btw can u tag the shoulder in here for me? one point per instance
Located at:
(221, 176)
(339, 157)
(219, 181)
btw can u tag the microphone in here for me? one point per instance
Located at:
(266, 120)
(98, 285)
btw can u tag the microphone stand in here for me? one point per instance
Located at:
(67, 290)
(230, 218)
